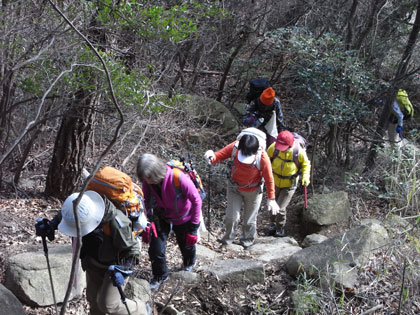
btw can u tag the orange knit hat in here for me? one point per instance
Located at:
(267, 96)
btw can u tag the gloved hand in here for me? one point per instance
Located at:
(259, 122)
(305, 181)
(193, 228)
(210, 156)
(145, 235)
(273, 206)
(118, 274)
(117, 279)
(191, 234)
(399, 131)
(250, 121)
(45, 228)
(190, 239)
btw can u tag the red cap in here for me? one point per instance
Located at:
(284, 141)
(267, 96)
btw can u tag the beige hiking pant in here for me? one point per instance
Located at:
(251, 204)
(283, 198)
(104, 298)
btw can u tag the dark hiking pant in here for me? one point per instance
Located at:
(157, 247)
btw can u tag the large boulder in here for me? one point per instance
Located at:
(273, 249)
(214, 112)
(352, 248)
(324, 209)
(27, 276)
(9, 303)
(237, 270)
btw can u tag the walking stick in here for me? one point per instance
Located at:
(208, 204)
(39, 222)
(115, 269)
(306, 197)
(123, 299)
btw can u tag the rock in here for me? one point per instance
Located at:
(241, 107)
(273, 249)
(207, 109)
(184, 276)
(27, 276)
(341, 276)
(240, 270)
(138, 289)
(9, 303)
(353, 247)
(204, 253)
(313, 239)
(324, 209)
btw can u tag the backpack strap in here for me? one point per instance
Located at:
(257, 162)
(296, 149)
(176, 183)
(275, 154)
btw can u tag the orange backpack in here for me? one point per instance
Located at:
(118, 187)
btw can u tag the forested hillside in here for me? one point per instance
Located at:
(84, 84)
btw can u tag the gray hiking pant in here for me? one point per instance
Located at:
(251, 204)
(283, 198)
(104, 298)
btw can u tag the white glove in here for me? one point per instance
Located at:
(209, 156)
(273, 206)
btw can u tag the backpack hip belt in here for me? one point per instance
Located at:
(287, 177)
(249, 185)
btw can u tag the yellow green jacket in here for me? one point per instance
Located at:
(283, 166)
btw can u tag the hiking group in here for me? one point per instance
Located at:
(114, 213)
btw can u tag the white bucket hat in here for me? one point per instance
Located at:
(91, 210)
(246, 159)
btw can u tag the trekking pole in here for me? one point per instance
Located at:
(306, 197)
(208, 205)
(44, 244)
(115, 269)
(123, 299)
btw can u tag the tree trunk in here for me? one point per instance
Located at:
(401, 72)
(70, 146)
(350, 24)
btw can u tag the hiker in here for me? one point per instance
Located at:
(402, 109)
(251, 168)
(167, 212)
(108, 251)
(286, 175)
(266, 114)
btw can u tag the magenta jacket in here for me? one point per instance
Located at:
(186, 208)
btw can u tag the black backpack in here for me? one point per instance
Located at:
(256, 87)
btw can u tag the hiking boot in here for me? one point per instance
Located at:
(223, 242)
(188, 268)
(156, 282)
(271, 231)
(280, 233)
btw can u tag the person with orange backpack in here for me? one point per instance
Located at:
(251, 168)
(168, 210)
(109, 250)
(289, 160)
